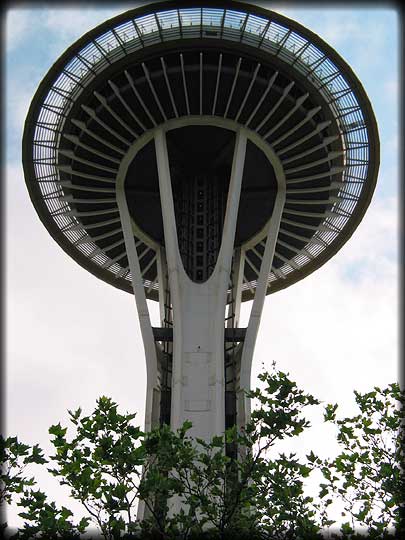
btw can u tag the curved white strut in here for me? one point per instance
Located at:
(198, 388)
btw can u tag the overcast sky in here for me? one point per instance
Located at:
(71, 337)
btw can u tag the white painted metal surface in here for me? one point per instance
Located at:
(198, 392)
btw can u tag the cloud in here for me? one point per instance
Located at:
(375, 241)
(391, 90)
(68, 24)
(17, 25)
(341, 321)
(359, 34)
(18, 102)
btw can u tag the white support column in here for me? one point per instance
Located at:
(199, 309)
(162, 280)
(176, 274)
(232, 206)
(152, 391)
(143, 312)
(221, 275)
(238, 267)
(258, 302)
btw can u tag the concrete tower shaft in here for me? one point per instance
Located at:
(195, 326)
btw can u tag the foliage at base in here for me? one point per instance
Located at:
(192, 489)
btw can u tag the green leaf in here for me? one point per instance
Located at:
(57, 430)
(65, 512)
(217, 441)
(312, 457)
(83, 524)
(329, 414)
(346, 528)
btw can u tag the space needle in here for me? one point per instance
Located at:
(200, 154)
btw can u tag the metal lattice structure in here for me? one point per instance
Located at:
(252, 67)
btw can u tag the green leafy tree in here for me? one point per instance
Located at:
(278, 480)
(368, 473)
(42, 518)
(256, 496)
(45, 520)
(193, 489)
(14, 458)
(102, 465)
